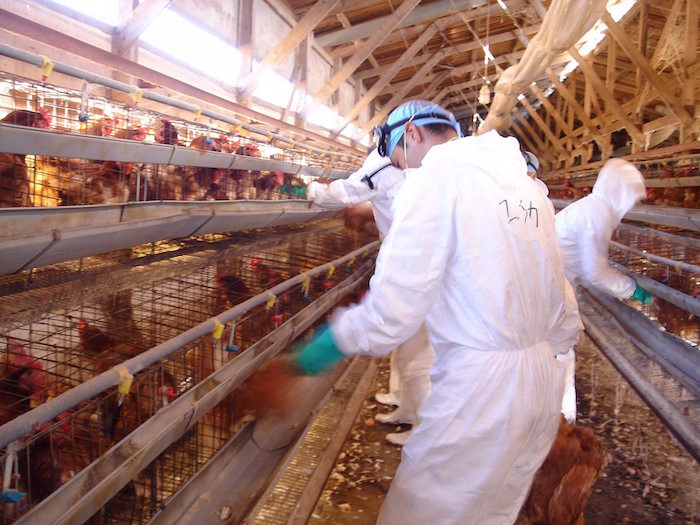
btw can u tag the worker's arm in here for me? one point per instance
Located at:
(409, 270)
(360, 186)
(594, 249)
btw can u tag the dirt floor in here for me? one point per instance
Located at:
(648, 478)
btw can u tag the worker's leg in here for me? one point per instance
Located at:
(568, 404)
(394, 395)
(485, 429)
(414, 358)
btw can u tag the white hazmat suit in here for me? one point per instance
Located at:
(378, 182)
(584, 230)
(472, 252)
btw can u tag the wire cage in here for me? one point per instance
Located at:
(35, 180)
(670, 259)
(63, 347)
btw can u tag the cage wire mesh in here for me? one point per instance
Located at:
(66, 346)
(643, 244)
(34, 180)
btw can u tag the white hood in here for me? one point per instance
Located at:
(621, 185)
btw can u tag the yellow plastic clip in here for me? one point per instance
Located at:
(46, 68)
(323, 154)
(197, 113)
(270, 138)
(351, 262)
(125, 380)
(292, 145)
(331, 270)
(136, 96)
(271, 301)
(218, 329)
(305, 284)
(238, 129)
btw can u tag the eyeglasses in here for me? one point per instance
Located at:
(382, 133)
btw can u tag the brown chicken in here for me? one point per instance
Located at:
(15, 183)
(232, 288)
(23, 383)
(674, 319)
(360, 219)
(565, 480)
(245, 178)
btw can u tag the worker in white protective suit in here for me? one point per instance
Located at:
(472, 250)
(378, 182)
(584, 230)
(533, 164)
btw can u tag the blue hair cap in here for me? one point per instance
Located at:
(420, 112)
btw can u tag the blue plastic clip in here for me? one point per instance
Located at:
(12, 496)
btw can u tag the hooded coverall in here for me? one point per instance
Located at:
(472, 251)
(584, 230)
(378, 182)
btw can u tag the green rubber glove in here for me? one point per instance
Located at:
(641, 295)
(299, 191)
(320, 354)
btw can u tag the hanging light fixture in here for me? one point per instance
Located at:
(485, 91)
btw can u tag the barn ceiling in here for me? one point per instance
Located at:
(636, 91)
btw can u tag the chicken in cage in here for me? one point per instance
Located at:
(668, 259)
(69, 346)
(36, 180)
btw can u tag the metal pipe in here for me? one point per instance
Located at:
(92, 487)
(93, 78)
(656, 258)
(690, 242)
(681, 300)
(685, 218)
(25, 423)
(23, 140)
(681, 427)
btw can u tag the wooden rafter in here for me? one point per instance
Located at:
(541, 146)
(610, 101)
(555, 115)
(391, 72)
(127, 34)
(564, 92)
(290, 41)
(454, 50)
(419, 77)
(545, 129)
(641, 62)
(364, 51)
(523, 137)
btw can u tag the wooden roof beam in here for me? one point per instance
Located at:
(610, 101)
(555, 115)
(545, 129)
(288, 44)
(571, 99)
(523, 137)
(422, 14)
(454, 50)
(641, 62)
(391, 72)
(541, 146)
(362, 53)
(398, 97)
(127, 34)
